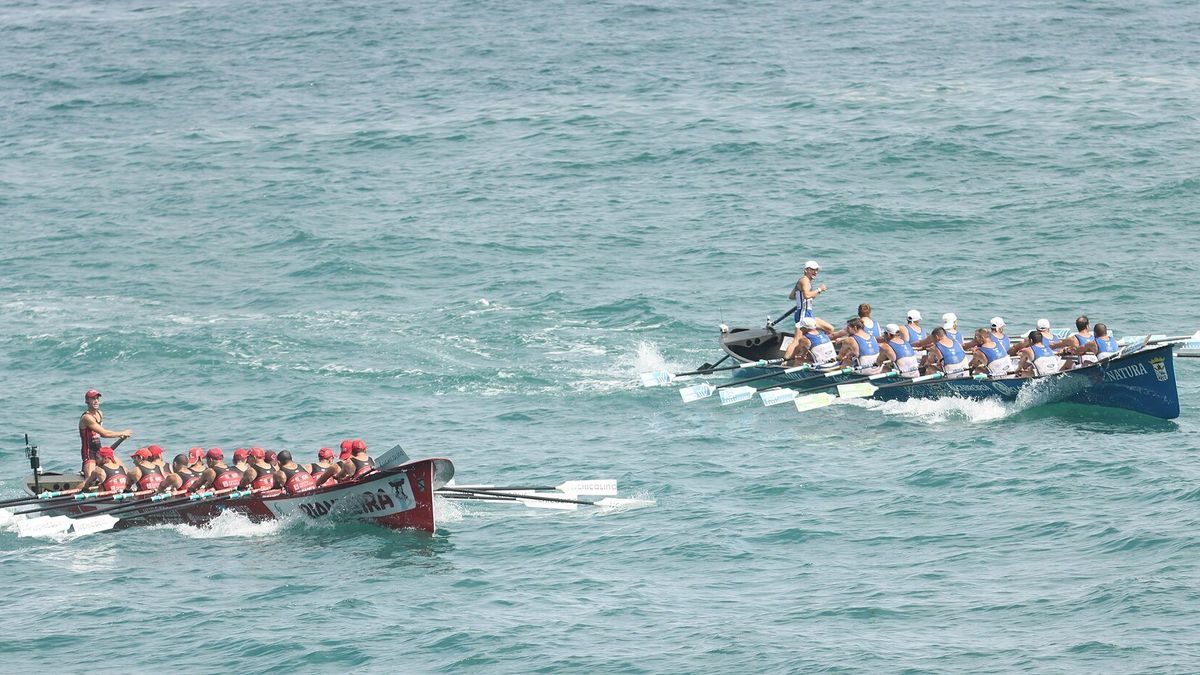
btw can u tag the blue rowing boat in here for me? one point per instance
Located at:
(1142, 381)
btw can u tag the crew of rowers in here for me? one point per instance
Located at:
(251, 468)
(912, 350)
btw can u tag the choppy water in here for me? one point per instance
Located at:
(467, 226)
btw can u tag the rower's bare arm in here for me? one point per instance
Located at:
(91, 423)
(796, 287)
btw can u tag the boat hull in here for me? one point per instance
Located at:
(1143, 382)
(399, 497)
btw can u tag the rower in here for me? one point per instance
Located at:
(998, 336)
(812, 342)
(218, 475)
(1103, 346)
(950, 323)
(292, 476)
(912, 331)
(948, 355)
(241, 462)
(1078, 342)
(156, 456)
(347, 449)
(324, 463)
(182, 477)
(91, 428)
(260, 473)
(109, 475)
(146, 475)
(356, 467)
(803, 293)
(860, 349)
(896, 351)
(870, 324)
(991, 355)
(196, 460)
(1038, 359)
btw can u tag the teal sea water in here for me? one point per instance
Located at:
(467, 226)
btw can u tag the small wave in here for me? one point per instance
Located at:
(938, 410)
(229, 524)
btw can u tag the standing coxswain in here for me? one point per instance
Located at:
(91, 430)
(804, 292)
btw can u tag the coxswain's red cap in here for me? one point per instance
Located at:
(325, 453)
(258, 452)
(195, 454)
(155, 450)
(346, 444)
(215, 453)
(359, 444)
(106, 452)
(272, 456)
(91, 393)
(240, 455)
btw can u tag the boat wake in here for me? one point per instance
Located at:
(229, 524)
(939, 410)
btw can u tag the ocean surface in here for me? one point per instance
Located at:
(466, 227)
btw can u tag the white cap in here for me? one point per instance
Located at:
(997, 322)
(914, 315)
(812, 265)
(949, 317)
(1043, 324)
(949, 325)
(808, 322)
(892, 328)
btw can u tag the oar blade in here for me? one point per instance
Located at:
(394, 457)
(590, 487)
(624, 503)
(697, 392)
(814, 401)
(776, 396)
(737, 395)
(856, 390)
(657, 378)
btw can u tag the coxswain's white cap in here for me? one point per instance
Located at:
(949, 317)
(914, 315)
(1043, 324)
(892, 328)
(812, 265)
(997, 322)
(808, 322)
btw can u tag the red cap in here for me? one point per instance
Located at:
(155, 450)
(325, 453)
(91, 393)
(346, 445)
(240, 455)
(141, 452)
(359, 444)
(272, 456)
(215, 453)
(258, 452)
(106, 452)
(345, 454)
(195, 454)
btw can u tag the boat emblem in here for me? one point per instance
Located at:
(1160, 368)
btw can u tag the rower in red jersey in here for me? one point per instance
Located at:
(196, 460)
(347, 450)
(293, 477)
(260, 473)
(146, 475)
(218, 475)
(156, 455)
(109, 474)
(241, 462)
(324, 463)
(359, 465)
(182, 477)
(91, 430)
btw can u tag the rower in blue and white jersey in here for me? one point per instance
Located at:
(950, 323)
(997, 335)
(895, 350)
(990, 355)
(1077, 343)
(1102, 346)
(813, 343)
(1038, 358)
(804, 293)
(860, 349)
(947, 355)
(869, 324)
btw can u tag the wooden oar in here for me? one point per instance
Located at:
(40, 497)
(542, 501)
(705, 390)
(661, 377)
(578, 487)
(89, 497)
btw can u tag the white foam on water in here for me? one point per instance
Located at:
(228, 524)
(939, 410)
(447, 510)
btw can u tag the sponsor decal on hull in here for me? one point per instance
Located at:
(1126, 372)
(378, 498)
